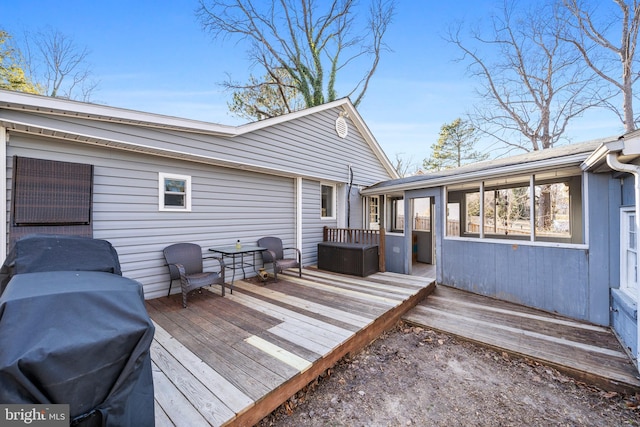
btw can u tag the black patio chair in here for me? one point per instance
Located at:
(185, 263)
(275, 255)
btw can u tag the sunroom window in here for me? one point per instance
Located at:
(397, 215)
(507, 211)
(508, 208)
(174, 192)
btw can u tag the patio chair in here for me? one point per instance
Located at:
(185, 263)
(275, 255)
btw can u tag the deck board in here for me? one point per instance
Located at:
(231, 360)
(585, 351)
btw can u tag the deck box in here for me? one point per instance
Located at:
(348, 258)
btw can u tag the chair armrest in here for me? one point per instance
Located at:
(272, 254)
(219, 259)
(181, 270)
(294, 249)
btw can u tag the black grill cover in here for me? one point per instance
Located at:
(42, 252)
(80, 338)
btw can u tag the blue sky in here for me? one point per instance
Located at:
(154, 56)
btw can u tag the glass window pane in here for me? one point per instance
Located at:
(374, 212)
(174, 199)
(327, 201)
(511, 211)
(472, 212)
(490, 221)
(453, 219)
(174, 185)
(397, 215)
(553, 210)
(632, 231)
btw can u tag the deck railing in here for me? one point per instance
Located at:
(358, 235)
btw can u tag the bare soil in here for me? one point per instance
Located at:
(418, 377)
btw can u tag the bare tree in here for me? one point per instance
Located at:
(404, 165)
(594, 40)
(272, 96)
(311, 40)
(59, 65)
(533, 83)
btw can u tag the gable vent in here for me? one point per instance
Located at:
(342, 128)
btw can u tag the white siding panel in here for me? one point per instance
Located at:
(227, 205)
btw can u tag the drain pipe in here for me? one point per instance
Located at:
(614, 163)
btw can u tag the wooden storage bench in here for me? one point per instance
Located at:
(348, 258)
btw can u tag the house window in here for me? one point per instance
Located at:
(628, 255)
(174, 192)
(374, 213)
(328, 201)
(534, 208)
(397, 215)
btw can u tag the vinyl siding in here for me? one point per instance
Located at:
(227, 205)
(306, 146)
(229, 201)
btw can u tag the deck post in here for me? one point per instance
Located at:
(381, 252)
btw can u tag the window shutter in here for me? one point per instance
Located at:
(51, 197)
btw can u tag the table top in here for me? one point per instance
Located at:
(232, 250)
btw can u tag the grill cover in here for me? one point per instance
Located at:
(76, 337)
(42, 252)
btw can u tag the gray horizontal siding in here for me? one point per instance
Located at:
(306, 146)
(312, 225)
(227, 205)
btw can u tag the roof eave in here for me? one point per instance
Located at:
(565, 161)
(64, 107)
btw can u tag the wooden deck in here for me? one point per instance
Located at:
(587, 352)
(233, 360)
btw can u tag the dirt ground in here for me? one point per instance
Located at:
(417, 377)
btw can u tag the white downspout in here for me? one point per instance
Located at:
(614, 163)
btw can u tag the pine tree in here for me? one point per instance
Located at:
(455, 147)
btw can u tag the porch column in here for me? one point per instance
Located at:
(3, 190)
(299, 214)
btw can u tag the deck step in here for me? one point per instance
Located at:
(588, 352)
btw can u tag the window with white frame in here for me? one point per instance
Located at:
(174, 192)
(374, 212)
(628, 252)
(328, 201)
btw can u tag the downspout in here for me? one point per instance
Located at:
(614, 163)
